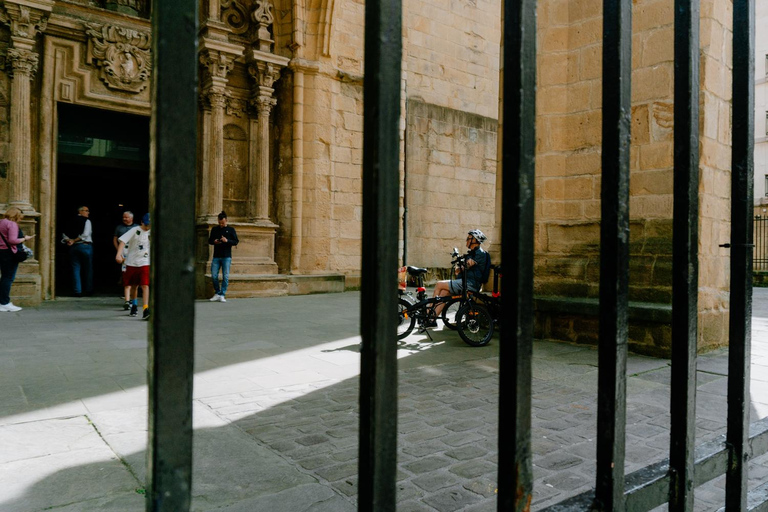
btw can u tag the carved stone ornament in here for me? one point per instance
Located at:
(123, 55)
(235, 15)
(236, 107)
(25, 22)
(265, 73)
(23, 62)
(262, 14)
(264, 104)
(217, 64)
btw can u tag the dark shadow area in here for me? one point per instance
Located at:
(103, 162)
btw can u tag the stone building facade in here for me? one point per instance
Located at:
(280, 142)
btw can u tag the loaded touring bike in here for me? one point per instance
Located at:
(471, 319)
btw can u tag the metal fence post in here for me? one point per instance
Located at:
(172, 198)
(381, 177)
(518, 168)
(742, 185)
(685, 256)
(614, 254)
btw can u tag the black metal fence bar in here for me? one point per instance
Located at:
(741, 251)
(685, 259)
(172, 194)
(381, 185)
(649, 487)
(614, 254)
(516, 344)
(760, 256)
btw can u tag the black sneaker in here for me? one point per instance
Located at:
(126, 305)
(430, 322)
(145, 315)
(134, 310)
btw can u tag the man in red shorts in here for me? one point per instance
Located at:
(136, 264)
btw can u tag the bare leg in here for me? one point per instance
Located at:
(145, 294)
(134, 291)
(127, 291)
(442, 288)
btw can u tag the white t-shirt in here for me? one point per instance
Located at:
(137, 241)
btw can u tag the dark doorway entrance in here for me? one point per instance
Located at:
(103, 162)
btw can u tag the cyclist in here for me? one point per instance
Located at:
(478, 264)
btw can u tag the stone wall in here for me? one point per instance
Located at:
(715, 175)
(5, 112)
(451, 176)
(567, 234)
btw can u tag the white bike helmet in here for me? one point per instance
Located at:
(479, 235)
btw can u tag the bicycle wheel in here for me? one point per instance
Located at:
(405, 320)
(449, 313)
(475, 324)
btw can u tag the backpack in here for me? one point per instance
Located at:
(487, 270)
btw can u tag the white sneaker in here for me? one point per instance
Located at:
(215, 297)
(222, 299)
(10, 308)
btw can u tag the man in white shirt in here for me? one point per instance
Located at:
(80, 241)
(136, 264)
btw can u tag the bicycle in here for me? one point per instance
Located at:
(473, 321)
(491, 302)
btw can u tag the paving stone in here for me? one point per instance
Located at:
(466, 452)
(452, 499)
(435, 481)
(566, 481)
(427, 464)
(559, 461)
(347, 487)
(484, 486)
(413, 506)
(463, 426)
(473, 468)
(338, 471)
(462, 438)
(312, 439)
(425, 448)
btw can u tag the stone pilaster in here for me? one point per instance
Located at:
(217, 65)
(26, 20)
(265, 74)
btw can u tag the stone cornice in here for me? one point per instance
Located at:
(26, 18)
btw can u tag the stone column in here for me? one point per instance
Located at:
(265, 74)
(217, 65)
(23, 66)
(26, 20)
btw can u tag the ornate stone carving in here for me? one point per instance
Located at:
(127, 6)
(265, 73)
(236, 107)
(123, 55)
(23, 62)
(263, 105)
(25, 22)
(235, 15)
(263, 16)
(217, 64)
(217, 98)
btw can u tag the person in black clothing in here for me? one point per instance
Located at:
(222, 238)
(478, 264)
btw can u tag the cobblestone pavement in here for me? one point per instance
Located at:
(276, 419)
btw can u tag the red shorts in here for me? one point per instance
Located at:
(136, 276)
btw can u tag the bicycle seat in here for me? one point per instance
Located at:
(416, 271)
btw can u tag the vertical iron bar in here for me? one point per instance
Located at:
(381, 180)
(742, 185)
(172, 199)
(518, 168)
(685, 258)
(614, 254)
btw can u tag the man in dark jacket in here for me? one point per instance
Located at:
(79, 238)
(222, 238)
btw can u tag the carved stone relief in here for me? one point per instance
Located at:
(235, 189)
(235, 15)
(122, 54)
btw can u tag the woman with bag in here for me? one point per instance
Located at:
(10, 255)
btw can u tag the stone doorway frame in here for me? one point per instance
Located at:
(67, 79)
